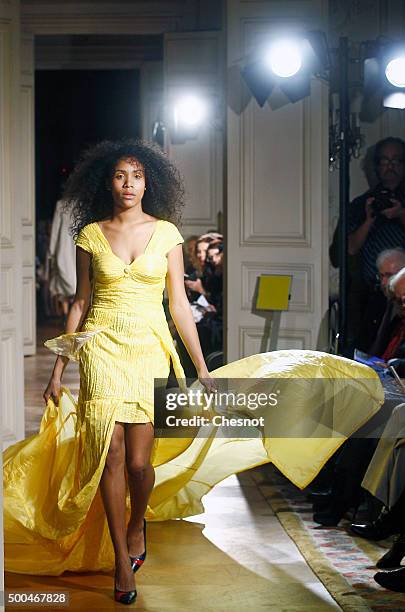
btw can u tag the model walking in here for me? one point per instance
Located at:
(124, 196)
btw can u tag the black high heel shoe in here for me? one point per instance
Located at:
(138, 561)
(124, 597)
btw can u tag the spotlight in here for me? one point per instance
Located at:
(395, 71)
(187, 114)
(284, 58)
(189, 111)
(384, 82)
(395, 100)
(286, 64)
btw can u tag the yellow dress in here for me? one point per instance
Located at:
(54, 518)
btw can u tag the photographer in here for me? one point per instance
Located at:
(377, 218)
(376, 222)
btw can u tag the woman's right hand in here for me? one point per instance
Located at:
(53, 390)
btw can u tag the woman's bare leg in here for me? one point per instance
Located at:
(141, 478)
(113, 493)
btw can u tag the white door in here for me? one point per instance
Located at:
(12, 185)
(11, 354)
(277, 203)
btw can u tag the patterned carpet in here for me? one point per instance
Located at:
(345, 565)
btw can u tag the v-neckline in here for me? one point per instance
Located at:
(117, 256)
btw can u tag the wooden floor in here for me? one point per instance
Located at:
(235, 556)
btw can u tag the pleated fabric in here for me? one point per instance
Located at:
(53, 513)
(125, 341)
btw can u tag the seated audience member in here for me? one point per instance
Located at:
(210, 326)
(190, 260)
(385, 479)
(381, 310)
(206, 308)
(212, 277)
(194, 284)
(390, 341)
(356, 453)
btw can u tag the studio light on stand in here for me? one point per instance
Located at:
(384, 79)
(187, 114)
(285, 64)
(395, 75)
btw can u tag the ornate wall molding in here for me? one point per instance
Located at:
(40, 17)
(28, 290)
(7, 289)
(9, 414)
(250, 338)
(6, 96)
(28, 249)
(263, 186)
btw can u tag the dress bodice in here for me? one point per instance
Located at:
(133, 287)
(124, 296)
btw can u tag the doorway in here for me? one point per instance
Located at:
(74, 109)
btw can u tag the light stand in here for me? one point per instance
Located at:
(344, 189)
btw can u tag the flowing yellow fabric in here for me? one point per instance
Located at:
(53, 514)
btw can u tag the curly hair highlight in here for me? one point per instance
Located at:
(86, 192)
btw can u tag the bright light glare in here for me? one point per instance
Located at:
(190, 111)
(395, 71)
(284, 58)
(395, 100)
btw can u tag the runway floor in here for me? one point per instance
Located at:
(235, 556)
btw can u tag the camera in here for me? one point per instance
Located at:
(383, 198)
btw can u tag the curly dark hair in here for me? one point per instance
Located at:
(86, 195)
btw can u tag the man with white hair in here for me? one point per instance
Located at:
(380, 312)
(389, 263)
(390, 340)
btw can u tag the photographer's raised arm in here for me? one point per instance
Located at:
(356, 239)
(76, 315)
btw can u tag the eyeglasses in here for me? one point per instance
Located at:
(382, 275)
(386, 161)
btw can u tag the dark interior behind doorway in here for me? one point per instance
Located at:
(74, 109)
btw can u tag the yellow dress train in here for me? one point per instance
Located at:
(54, 518)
